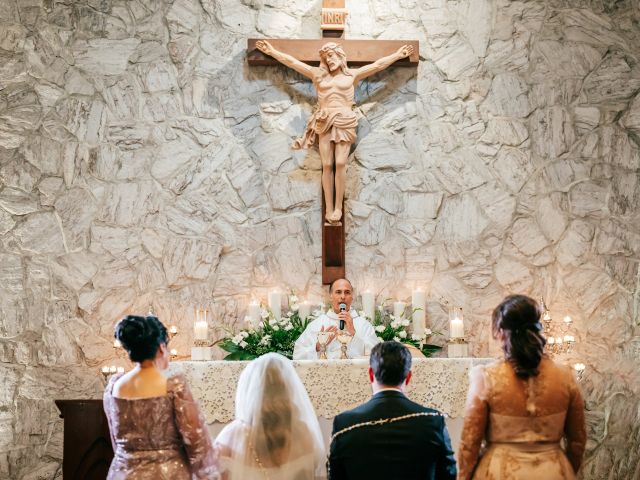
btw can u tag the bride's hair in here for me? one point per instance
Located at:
(279, 422)
(276, 414)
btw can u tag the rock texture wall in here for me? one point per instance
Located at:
(142, 162)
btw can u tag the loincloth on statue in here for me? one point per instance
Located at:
(340, 123)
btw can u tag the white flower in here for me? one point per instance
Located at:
(273, 322)
(265, 340)
(244, 344)
(405, 323)
(235, 340)
(275, 328)
(295, 307)
(402, 334)
(288, 327)
(380, 339)
(244, 334)
(392, 316)
(395, 324)
(396, 339)
(380, 328)
(415, 337)
(264, 313)
(380, 307)
(293, 299)
(428, 332)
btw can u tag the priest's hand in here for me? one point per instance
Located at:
(348, 322)
(333, 329)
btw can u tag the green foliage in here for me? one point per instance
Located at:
(388, 327)
(271, 336)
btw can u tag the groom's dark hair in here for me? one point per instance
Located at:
(390, 362)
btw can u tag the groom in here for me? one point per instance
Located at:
(390, 437)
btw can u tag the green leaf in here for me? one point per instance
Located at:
(240, 355)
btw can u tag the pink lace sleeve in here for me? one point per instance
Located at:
(475, 423)
(574, 428)
(203, 457)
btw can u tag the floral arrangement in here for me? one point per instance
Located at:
(388, 327)
(270, 335)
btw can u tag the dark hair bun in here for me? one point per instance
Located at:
(141, 336)
(518, 317)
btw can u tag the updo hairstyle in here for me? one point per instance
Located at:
(141, 336)
(518, 316)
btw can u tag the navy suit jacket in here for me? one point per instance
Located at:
(416, 448)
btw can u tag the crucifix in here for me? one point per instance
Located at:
(332, 126)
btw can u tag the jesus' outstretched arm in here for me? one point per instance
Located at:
(382, 63)
(284, 58)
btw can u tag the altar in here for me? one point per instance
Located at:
(335, 386)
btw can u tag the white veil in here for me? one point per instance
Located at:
(276, 434)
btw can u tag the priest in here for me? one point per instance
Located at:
(363, 336)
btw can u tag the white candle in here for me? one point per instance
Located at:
(369, 304)
(275, 303)
(173, 329)
(113, 369)
(398, 308)
(173, 352)
(456, 328)
(254, 313)
(418, 303)
(201, 328)
(120, 369)
(304, 310)
(105, 369)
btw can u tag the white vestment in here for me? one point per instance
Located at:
(360, 345)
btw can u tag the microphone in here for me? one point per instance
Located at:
(343, 308)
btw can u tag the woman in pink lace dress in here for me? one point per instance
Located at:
(522, 408)
(157, 430)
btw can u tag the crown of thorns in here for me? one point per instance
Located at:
(336, 47)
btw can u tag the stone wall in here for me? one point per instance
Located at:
(143, 162)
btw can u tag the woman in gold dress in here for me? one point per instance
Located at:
(157, 430)
(523, 408)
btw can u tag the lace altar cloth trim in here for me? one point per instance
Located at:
(334, 385)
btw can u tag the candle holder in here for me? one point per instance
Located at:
(172, 332)
(344, 338)
(457, 347)
(559, 340)
(579, 368)
(201, 350)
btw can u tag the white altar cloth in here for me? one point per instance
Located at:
(333, 385)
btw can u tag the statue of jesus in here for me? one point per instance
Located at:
(333, 123)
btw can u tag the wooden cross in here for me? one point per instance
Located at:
(359, 52)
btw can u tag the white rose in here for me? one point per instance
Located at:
(288, 327)
(395, 324)
(276, 328)
(402, 334)
(235, 340)
(415, 337)
(244, 344)
(264, 313)
(396, 339)
(295, 307)
(405, 323)
(244, 334)
(380, 328)
(380, 340)
(273, 322)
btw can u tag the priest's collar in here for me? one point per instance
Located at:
(334, 316)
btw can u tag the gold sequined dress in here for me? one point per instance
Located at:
(159, 438)
(531, 429)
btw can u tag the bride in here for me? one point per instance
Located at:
(275, 435)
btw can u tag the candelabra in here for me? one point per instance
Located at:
(559, 341)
